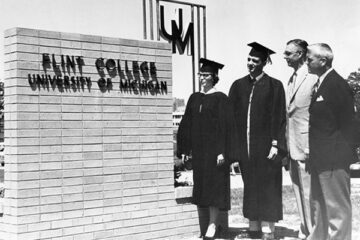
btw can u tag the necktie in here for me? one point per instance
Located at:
(291, 85)
(252, 80)
(316, 86)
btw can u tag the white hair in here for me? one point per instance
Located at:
(323, 50)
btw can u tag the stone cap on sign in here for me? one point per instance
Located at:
(84, 37)
(183, 192)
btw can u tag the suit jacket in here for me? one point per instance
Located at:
(331, 112)
(298, 113)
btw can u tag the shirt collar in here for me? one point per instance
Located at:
(212, 90)
(300, 73)
(258, 77)
(301, 70)
(322, 77)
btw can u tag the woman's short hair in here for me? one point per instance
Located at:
(215, 79)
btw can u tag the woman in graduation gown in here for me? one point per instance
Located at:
(207, 133)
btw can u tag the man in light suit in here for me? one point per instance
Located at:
(331, 112)
(298, 100)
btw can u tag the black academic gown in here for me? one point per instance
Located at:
(207, 130)
(262, 177)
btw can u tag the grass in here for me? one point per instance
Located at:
(291, 219)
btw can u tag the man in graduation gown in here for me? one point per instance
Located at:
(259, 105)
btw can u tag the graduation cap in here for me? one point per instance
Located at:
(260, 51)
(210, 66)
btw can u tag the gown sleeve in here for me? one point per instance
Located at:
(228, 143)
(184, 132)
(232, 94)
(278, 117)
(222, 126)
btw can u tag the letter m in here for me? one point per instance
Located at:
(176, 33)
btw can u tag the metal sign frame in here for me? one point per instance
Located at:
(177, 34)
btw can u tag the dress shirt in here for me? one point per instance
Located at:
(322, 77)
(300, 73)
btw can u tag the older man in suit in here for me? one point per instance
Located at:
(331, 112)
(298, 99)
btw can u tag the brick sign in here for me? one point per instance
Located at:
(89, 139)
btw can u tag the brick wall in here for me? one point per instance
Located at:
(88, 164)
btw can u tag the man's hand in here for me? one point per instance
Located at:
(220, 160)
(184, 158)
(232, 168)
(273, 153)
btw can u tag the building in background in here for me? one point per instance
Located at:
(178, 111)
(177, 116)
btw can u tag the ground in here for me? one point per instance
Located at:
(287, 228)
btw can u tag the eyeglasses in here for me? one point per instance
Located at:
(286, 53)
(204, 75)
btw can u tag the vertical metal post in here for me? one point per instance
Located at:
(204, 30)
(151, 20)
(198, 38)
(144, 18)
(193, 55)
(158, 20)
(199, 46)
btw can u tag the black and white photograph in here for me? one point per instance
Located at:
(179, 119)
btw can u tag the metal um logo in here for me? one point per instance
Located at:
(176, 36)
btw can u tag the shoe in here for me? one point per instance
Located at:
(249, 234)
(209, 238)
(301, 236)
(217, 234)
(268, 236)
(206, 238)
(211, 230)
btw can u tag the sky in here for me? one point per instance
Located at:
(230, 26)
